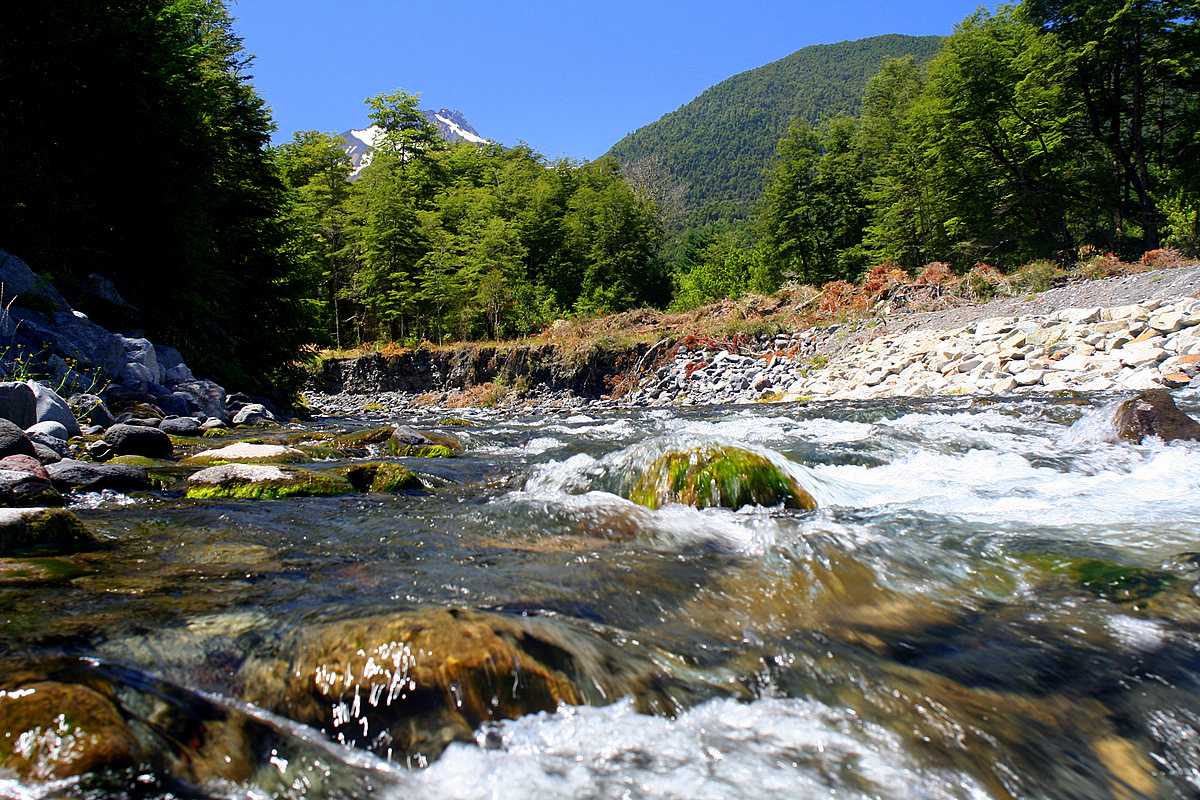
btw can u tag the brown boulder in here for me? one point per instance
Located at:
(1154, 413)
(410, 684)
(59, 730)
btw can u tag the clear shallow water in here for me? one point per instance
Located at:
(993, 600)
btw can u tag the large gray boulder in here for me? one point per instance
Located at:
(21, 286)
(52, 408)
(139, 440)
(208, 396)
(18, 403)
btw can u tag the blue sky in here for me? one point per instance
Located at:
(569, 77)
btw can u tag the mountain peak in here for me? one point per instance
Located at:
(451, 124)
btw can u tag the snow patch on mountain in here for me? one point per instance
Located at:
(451, 124)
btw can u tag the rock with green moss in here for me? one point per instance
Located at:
(358, 439)
(717, 475)
(408, 442)
(54, 529)
(249, 453)
(380, 477)
(263, 481)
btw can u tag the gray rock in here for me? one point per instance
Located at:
(48, 428)
(70, 474)
(253, 414)
(92, 410)
(180, 426)
(209, 397)
(18, 279)
(101, 287)
(55, 444)
(136, 440)
(18, 403)
(21, 488)
(13, 440)
(78, 337)
(52, 408)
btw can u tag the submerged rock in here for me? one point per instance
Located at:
(381, 476)
(413, 683)
(263, 481)
(718, 475)
(61, 730)
(49, 527)
(357, 439)
(1154, 413)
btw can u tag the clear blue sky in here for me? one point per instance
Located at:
(570, 77)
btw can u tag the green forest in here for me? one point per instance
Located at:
(717, 147)
(134, 146)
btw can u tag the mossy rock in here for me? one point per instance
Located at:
(458, 422)
(248, 453)
(423, 444)
(367, 436)
(1118, 583)
(380, 477)
(142, 461)
(718, 475)
(62, 730)
(50, 528)
(263, 481)
(216, 433)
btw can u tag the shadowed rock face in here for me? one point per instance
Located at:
(1154, 413)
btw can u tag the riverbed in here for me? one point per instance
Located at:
(994, 598)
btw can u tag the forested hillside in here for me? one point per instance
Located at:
(133, 147)
(718, 145)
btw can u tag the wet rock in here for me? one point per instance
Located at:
(248, 453)
(137, 440)
(405, 441)
(83, 476)
(717, 475)
(357, 439)
(263, 481)
(1154, 413)
(19, 487)
(413, 683)
(60, 730)
(43, 527)
(381, 476)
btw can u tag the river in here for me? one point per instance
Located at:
(994, 599)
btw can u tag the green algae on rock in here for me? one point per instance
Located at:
(356, 439)
(717, 475)
(248, 453)
(263, 481)
(408, 442)
(380, 477)
(51, 528)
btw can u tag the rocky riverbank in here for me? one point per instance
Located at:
(1119, 334)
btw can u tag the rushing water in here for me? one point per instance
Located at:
(994, 599)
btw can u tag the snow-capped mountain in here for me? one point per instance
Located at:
(451, 124)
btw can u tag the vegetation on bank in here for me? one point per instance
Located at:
(1045, 140)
